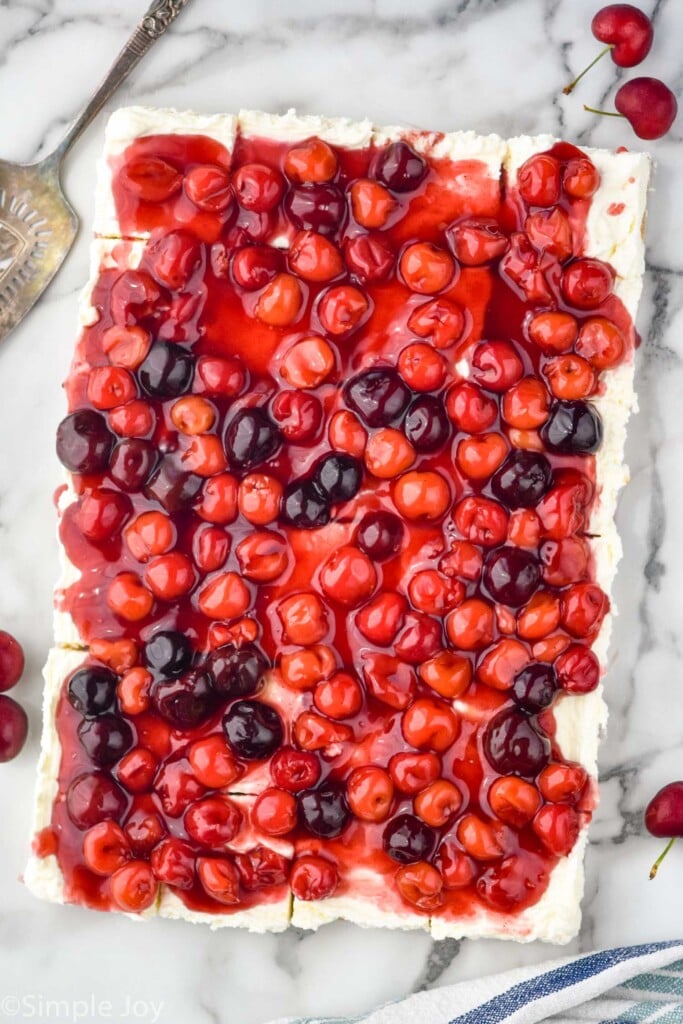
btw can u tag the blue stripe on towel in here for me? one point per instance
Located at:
(497, 1010)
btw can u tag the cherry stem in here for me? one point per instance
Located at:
(572, 85)
(602, 113)
(655, 866)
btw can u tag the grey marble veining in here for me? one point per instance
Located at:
(492, 65)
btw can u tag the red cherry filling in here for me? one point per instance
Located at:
(334, 474)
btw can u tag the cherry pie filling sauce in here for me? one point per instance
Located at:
(332, 441)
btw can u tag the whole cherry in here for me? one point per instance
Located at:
(648, 105)
(628, 33)
(664, 818)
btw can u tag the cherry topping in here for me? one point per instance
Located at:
(169, 653)
(407, 839)
(316, 207)
(313, 878)
(92, 691)
(255, 266)
(324, 811)
(105, 738)
(93, 797)
(132, 462)
(534, 688)
(475, 242)
(294, 770)
(514, 746)
(522, 480)
(257, 187)
(380, 535)
(167, 371)
(426, 424)
(208, 187)
(13, 728)
(538, 180)
(399, 167)
(237, 671)
(251, 438)
(84, 442)
(171, 487)
(11, 661)
(253, 730)
(298, 415)
(587, 283)
(151, 179)
(304, 506)
(511, 575)
(187, 701)
(378, 396)
(572, 428)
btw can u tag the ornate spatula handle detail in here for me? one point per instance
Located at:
(160, 15)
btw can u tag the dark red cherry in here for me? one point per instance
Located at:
(427, 426)
(337, 477)
(523, 479)
(378, 396)
(573, 428)
(132, 462)
(513, 746)
(399, 167)
(187, 701)
(304, 506)
(407, 839)
(105, 739)
(93, 797)
(534, 688)
(84, 442)
(380, 535)
(92, 690)
(316, 207)
(13, 728)
(168, 653)
(167, 371)
(253, 730)
(251, 438)
(171, 487)
(237, 671)
(511, 575)
(324, 811)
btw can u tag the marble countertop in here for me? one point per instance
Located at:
(493, 65)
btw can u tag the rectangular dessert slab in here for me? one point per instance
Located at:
(144, 191)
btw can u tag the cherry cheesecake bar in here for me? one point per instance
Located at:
(345, 436)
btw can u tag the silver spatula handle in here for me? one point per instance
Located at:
(154, 23)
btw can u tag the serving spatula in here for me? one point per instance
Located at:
(38, 225)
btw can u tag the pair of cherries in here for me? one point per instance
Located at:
(647, 103)
(13, 720)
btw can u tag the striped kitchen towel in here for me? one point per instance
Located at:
(629, 985)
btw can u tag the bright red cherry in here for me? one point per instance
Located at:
(11, 661)
(628, 33)
(664, 818)
(133, 887)
(313, 878)
(13, 728)
(370, 793)
(257, 187)
(275, 812)
(648, 105)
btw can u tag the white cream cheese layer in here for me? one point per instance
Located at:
(614, 234)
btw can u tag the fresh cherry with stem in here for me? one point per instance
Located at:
(664, 818)
(628, 33)
(648, 105)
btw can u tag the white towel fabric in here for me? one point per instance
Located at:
(628, 985)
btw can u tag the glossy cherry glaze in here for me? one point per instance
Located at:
(304, 582)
